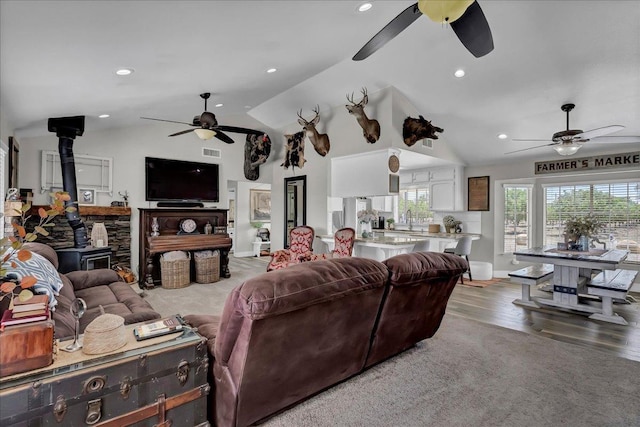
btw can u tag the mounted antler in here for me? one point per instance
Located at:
(320, 141)
(370, 128)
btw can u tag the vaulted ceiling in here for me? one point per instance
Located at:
(58, 58)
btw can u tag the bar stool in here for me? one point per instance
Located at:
(463, 249)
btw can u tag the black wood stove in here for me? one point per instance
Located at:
(81, 256)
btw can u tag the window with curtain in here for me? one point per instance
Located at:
(417, 201)
(617, 204)
(517, 217)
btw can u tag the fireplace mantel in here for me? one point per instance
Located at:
(92, 210)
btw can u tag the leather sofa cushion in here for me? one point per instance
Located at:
(306, 284)
(208, 326)
(416, 267)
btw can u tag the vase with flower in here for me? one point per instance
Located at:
(365, 217)
(578, 230)
(11, 248)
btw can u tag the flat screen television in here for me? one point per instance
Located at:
(181, 181)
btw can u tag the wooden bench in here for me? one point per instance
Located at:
(608, 285)
(530, 276)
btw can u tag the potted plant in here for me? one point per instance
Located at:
(390, 223)
(11, 247)
(579, 229)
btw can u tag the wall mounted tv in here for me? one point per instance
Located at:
(181, 181)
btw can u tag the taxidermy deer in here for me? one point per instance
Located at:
(370, 128)
(320, 141)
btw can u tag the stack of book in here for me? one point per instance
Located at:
(34, 309)
(156, 328)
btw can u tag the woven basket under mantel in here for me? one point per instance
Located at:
(104, 334)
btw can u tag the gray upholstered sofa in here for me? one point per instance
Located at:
(288, 334)
(101, 287)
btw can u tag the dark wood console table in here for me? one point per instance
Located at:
(169, 239)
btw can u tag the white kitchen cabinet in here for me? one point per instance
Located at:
(406, 178)
(422, 176)
(382, 203)
(443, 174)
(442, 196)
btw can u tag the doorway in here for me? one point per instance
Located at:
(295, 204)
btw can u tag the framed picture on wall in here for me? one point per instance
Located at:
(260, 205)
(478, 193)
(14, 152)
(86, 196)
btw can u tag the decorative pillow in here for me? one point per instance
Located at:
(49, 281)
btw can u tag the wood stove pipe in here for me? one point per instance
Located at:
(66, 129)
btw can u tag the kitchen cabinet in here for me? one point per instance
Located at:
(382, 203)
(442, 196)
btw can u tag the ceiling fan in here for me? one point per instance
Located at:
(206, 126)
(569, 141)
(465, 17)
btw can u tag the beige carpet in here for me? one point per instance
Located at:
(473, 374)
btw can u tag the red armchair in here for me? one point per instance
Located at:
(344, 240)
(300, 249)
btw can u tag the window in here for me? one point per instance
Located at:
(617, 204)
(517, 217)
(417, 201)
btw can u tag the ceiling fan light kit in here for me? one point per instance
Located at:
(567, 149)
(444, 11)
(205, 134)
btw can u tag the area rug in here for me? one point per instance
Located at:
(482, 283)
(474, 374)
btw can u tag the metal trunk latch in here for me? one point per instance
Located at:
(94, 411)
(60, 408)
(183, 372)
(125, 387)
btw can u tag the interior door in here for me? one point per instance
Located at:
(295, 204)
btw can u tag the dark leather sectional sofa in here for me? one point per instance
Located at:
(288, 334)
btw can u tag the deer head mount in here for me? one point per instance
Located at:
(370, 128)
(320, 141)
(416, 129)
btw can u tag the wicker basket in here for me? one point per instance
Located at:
(207, 266)
(175, 274)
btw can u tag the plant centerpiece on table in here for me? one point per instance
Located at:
(365, 217)
(11, 247)
(390, 222)
(579, 229)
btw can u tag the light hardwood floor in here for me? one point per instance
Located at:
(493, 305)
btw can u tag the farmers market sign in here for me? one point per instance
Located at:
(609, 161)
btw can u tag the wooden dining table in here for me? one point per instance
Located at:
(573, 272)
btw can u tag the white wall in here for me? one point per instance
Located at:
(488, 248)
(128, 147)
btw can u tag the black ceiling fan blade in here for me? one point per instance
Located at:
(182, 132)
(531, 148)
(473, 31)
(392, 29)
(236, 129)
(223, 137)
(170, 121)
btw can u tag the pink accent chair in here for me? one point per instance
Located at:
(343, 245)
(300, 249)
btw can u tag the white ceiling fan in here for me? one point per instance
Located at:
(569, 141)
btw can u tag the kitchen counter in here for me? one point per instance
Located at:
(441, 235)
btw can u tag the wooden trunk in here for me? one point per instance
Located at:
(162, 381)
(26, 347)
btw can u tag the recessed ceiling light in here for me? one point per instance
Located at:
(124, 71)
(364, 7)
(502, 136)
(219, 105)
(103, 116)
(272, 70)
(459, 73)
(247, 106)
